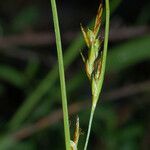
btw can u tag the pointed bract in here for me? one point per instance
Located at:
(98, 20)
(86, 37)
(77, 132)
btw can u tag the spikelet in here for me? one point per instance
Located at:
(74, 143)
(93, 62)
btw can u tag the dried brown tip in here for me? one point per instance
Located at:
(98, 20)
(77, 131)
(86, 37)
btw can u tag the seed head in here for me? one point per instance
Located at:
(93, 62)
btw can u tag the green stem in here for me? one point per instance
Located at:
(104, 56)
(89, 127)
(61, 73)
(105, 44)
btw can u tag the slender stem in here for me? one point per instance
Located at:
(102, 70)
(89, 127)
(104, 54)
(61, 73)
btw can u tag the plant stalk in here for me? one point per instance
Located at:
(61, 74)
(89, 127)
(104, 56)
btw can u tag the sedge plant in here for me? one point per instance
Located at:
(95, 62)
(43, 87)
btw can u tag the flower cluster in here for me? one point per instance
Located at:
(93, 62)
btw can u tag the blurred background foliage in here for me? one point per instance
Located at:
(30, 105)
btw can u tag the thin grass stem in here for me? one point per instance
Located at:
(61, 74)
(89, 128)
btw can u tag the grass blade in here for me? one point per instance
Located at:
(61, 74)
